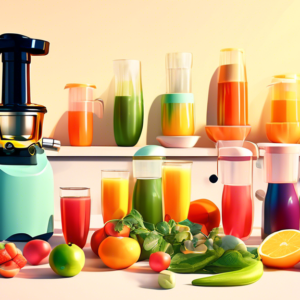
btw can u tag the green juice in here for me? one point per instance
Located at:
(147, 199)
(128, 119)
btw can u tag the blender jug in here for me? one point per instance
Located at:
(177, 106)
(281, 208)
(129, 103)
(235, 172)
(232, 88)
(147, 194)
(285, 109)
(82, 107)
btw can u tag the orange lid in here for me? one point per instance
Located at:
(72, 85)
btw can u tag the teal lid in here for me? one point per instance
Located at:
(151, 150)
(178, 98)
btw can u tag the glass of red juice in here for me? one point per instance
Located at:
(75, 206)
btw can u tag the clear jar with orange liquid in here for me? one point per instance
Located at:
(176, 186)
(232, 88)
(82, 107)
(285, 109)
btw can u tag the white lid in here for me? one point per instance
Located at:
(235, 152)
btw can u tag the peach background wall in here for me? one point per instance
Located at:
(86, 36)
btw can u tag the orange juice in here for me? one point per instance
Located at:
(176, 191)
(178, 119)
(285, 111)
(114, 195)
(80, 128)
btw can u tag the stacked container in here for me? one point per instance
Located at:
(177, 106)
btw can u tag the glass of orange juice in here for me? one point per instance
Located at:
(114, 194)
(176, 187)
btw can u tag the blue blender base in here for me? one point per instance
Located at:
(281, 208)
(27, 201)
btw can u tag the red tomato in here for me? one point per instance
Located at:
(37, 252)
(97, 238)
(110, 230)
(159, 261)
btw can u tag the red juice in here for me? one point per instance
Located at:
(232, 103)
(75, 219)
(237, 211)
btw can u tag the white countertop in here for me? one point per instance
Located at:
(96, 281)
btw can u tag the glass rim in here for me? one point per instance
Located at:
(177, 162)
(125, 59)
(119, 171)
(74, 188)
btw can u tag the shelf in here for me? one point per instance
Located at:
(128, 152)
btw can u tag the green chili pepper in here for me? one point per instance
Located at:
(244, 276)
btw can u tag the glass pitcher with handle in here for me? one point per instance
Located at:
(82, 107)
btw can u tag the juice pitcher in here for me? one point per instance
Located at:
(232, 88)
(285, 109)
(281, 208)
(235, 172)
(82, 107)
(129, 103)
(147, 194)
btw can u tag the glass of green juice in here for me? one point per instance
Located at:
(129, 103)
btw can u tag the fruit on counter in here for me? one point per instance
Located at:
(159, 261)
(9, 269)
(119, 252)
(244, 276)
(206, 213)
(166, 279)
(97, 238)
(111, 229)
(230, 242)
(67, 260)
(7, 252)
(281, 249)
(37, 252)
(11, 260)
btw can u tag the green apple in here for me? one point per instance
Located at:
(67, 260)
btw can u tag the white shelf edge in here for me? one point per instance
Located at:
(115, 151)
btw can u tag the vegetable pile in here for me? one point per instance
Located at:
(192, 251)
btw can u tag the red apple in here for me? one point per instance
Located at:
(37, 252)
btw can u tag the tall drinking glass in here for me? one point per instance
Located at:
(75, 205)
(114, 194)
(176, 186)
(129, 103)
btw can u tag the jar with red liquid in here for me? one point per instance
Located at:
(232, 88)
(82, 107)
(235, 172)
(75, 205)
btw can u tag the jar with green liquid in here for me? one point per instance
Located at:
(129, 103)
(147, 194)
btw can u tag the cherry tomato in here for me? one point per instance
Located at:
(97, 238)
(110, 230)
(159, 261)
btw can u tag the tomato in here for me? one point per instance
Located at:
(97, 238)
(110, 230)
(119, 252)
(159, 261)
(37, 252)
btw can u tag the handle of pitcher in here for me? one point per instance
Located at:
(99, 108)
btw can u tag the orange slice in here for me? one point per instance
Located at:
(281, 249)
